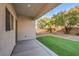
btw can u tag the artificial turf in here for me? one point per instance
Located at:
(60, 46)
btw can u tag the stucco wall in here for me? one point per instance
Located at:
(26, 28)
(7, 39)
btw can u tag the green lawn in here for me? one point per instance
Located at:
(60, 46)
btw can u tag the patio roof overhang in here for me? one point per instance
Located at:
(33, 10)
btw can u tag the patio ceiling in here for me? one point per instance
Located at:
(33, 10)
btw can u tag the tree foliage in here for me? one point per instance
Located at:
(45, 23)
(41, 23)
(67, 19)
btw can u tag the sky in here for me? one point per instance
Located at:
(61, 7)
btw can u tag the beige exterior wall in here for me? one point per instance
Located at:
(26, 28)
(7, 39)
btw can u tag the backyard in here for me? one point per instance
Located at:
(59, 31)
(60, 46)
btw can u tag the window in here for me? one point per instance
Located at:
(9, 20)
(12, 21)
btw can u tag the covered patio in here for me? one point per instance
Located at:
(18, 33)
(27, 45)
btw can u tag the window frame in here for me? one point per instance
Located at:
(9, 23)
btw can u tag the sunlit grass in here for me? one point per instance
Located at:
(60, 46)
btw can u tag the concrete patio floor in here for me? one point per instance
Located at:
(31, 48)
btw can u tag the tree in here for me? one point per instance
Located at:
(41, 23)
(67, 19)
(49, 24)
(45, 23)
